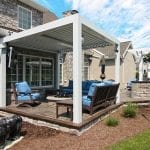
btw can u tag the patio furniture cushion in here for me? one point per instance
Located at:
(108, 82)
(27, 97)
(86, 101)
(70, 84)
(23, 87)
(92, 88)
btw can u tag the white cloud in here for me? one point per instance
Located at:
(125, 19)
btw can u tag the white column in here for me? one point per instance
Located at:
(2, 75)
(57, 70)
(117, 71)
(141, 69)
(77, 71)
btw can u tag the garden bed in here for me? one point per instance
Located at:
(98, 137)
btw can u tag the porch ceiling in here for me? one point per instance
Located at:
(58, 35)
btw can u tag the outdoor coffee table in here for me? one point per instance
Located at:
(68, 103)
(55, 98)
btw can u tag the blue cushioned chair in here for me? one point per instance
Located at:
(24, 93)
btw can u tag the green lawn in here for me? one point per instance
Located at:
(138, 142)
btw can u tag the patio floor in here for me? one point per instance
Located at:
(46, 111)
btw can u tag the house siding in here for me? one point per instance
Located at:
(48, 17)
(8, 14)
(129, 69)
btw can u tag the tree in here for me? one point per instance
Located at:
(146, 58)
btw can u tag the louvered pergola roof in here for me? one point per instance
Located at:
(58, 35)
(64, 34)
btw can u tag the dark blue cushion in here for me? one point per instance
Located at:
(84, 85)
(67, 91)
(70, 84)
(23, 87)
(86, 101)
(85, 92)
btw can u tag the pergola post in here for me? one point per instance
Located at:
(57, 70)
(77, 71)
(117, 71)
(141, 69)
(2, 75)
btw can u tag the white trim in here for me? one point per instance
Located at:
(141, 69)
(77, 71)
(3, 77)
(126, 51)
(117, 72)
(98, 52)
(10, 56)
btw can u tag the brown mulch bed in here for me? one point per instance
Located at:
(98, 137)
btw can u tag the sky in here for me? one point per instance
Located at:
(124, 19)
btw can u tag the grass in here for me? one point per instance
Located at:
(130, 110)
(112, 122)
(138, 142)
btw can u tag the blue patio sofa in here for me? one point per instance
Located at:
(68, 91)
(100, 95)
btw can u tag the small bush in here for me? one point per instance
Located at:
(130, 110)
(112, 122)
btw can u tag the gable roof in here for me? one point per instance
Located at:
(109, 51)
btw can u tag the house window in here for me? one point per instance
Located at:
(15, 73)
(24, 18)
(46, 72)
(33, 71)
(37, 71)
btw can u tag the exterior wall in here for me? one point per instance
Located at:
(110, 69)
(8, 14)
(68, 67)
(94, 68)
(141, 90)
(128, 69)
(48, 17)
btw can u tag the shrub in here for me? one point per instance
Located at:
(130, 110)
(112, 122)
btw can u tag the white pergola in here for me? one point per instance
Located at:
(63, 34)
